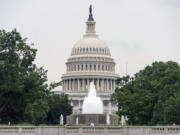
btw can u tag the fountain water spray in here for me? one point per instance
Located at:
(108, 121)
(92, 104)
(61, 120)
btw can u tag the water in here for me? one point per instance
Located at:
(108, 122)
(61, 120)
(92, 104)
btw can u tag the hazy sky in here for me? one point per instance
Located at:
(137, 32)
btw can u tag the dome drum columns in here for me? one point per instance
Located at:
(83, 84)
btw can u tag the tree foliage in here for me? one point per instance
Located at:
(59, 104)
(24, 92)
(152, 96)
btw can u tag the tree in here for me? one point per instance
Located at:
(59, 104)
(22, 85)
(150, 97)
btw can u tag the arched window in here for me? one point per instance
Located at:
(102, 67)
(90, 67)
(90, 50)
(83, 49)
(86, 67)
(99, 67)
(86, 49)
(74, 67)
(95, 67)
(78, 67)
(93, 49)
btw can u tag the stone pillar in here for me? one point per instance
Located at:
(102, 84)
(69, 88)
(75, 84)
(87, 82)
(110, 107)
(78, 88)
(63, 84)
(72, 84)
(97, 84)
(79, 103)
(88, 67)
(66, 84)
(111, 84)
(83, 85)
(107, 84)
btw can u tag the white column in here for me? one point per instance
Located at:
(111, 84)
(88, 67)
(102, 84)
(63, 85)
(110, 107)
(66, 84)
(78, 84)
(97, 84)
(72, 84)
(88, 82)
(107, 84)
(83, 85)
(79, 106)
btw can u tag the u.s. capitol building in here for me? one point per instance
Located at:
(90, 60)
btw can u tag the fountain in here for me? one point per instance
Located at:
(92, 112)
(61, 120)
(92, 104)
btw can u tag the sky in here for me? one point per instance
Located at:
(138, 32)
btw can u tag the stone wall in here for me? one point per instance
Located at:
(85, 130)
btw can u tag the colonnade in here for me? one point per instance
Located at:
(90, 67)
(83, 84)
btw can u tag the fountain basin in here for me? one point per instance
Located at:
(96, 119)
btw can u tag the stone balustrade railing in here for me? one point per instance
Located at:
(85, 130)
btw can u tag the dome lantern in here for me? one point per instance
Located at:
(90, 24)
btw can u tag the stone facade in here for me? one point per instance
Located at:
(90, 60)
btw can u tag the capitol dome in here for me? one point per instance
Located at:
(90, 45)
(90, 61)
